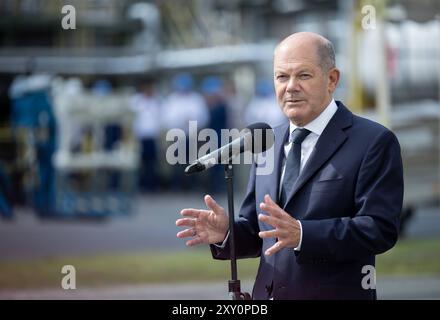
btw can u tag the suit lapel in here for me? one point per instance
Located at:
(330, 140)
(271, 181)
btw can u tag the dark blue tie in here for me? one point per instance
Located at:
(293, 163)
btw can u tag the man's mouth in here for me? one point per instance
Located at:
(293, 100)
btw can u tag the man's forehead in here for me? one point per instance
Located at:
(295, 63)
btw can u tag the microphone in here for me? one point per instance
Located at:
(258, 137)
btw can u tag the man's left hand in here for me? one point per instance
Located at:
(287, 228)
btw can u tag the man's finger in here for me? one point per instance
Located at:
(275, 248)
(273, 211)
(213, 205)
(269, 201)
(268, 234)
(186, 233)
(194, 242)
(273, 221)
(271, 207)
(193, 213)
(186, 222)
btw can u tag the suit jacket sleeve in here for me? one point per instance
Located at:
(247, 242)
(378, 203)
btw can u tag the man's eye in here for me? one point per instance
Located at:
(281, 77)
(304, 76)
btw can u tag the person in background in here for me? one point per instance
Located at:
(147, 127)
(180, 107)
(263, 107)
(212, 88)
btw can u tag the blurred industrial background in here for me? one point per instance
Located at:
(84, 114)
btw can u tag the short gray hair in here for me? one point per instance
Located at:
(326, 55)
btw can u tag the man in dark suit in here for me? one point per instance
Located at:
(333, 200)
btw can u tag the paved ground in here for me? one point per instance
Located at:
(151, 226)
(388, 289)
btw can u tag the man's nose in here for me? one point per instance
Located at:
(292, 85)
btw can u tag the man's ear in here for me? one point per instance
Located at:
(333, 77)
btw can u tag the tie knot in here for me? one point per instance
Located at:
(298, 135)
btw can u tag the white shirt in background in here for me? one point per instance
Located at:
(147, 123)
(180, 108)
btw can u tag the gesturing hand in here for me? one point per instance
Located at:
(287, 228)
(205, 226)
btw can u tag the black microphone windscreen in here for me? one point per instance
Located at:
(262, 136)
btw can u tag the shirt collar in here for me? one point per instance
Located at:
(318, 125)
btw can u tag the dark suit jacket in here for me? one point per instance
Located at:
(348, 198)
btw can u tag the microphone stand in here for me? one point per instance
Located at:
(233, 284)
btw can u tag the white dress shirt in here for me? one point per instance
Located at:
(316, 127)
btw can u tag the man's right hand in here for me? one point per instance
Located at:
(205, 226)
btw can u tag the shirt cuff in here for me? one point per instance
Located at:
(222, 246)
(298, 248)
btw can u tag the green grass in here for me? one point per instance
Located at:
(148, 267)
(409, 257)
